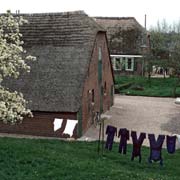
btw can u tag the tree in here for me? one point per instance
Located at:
(175, 64)
(148, 59)
(166, 48)
(13, 59)
(160, 50)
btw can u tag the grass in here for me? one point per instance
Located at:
(27, 159)
(159, 87)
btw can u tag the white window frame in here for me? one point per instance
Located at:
(124, 58)
(113, 59)
(120, 61)
(132, 64)
(113, 62)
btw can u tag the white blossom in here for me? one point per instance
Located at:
(13, 58)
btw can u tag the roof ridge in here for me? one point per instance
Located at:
(79, 12)
(114, 18)
(119, 18)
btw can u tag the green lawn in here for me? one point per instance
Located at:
(23, 159)
(159, 87)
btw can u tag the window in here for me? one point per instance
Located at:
(92, 100)
(90, 96)
(129, 64)
(118, 65)
(123, 63)
(105, 88)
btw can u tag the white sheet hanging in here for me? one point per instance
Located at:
(57, 123)
(70, 125)
(178, 137)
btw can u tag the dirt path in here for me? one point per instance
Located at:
(143, 114)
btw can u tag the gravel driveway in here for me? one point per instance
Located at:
(142, 114)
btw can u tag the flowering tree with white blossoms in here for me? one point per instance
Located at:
(13, 58)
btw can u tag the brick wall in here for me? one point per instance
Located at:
(93, 83)
(40, 125)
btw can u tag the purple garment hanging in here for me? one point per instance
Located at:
(124, 133)
(155, 148)
(171, 144)
(137, 143)
(111, 131)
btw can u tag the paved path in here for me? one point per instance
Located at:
(143, 114)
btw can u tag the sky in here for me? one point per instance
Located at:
(154, 9)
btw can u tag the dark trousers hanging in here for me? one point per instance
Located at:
(123, 146)
(137, 143)
(124, 136)
(111, 131)
(156, 148)
(171, 144)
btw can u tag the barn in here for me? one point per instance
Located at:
(72, 78)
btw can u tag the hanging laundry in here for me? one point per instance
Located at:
(171, 144)
(111, 131)
(155, 148)
(124, 133)
(70, 126)
(137, 143)
(57, 123)
(178, 137)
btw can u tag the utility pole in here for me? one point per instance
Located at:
(144, 45)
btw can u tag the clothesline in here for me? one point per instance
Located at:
(155, 144)
(170, 134)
